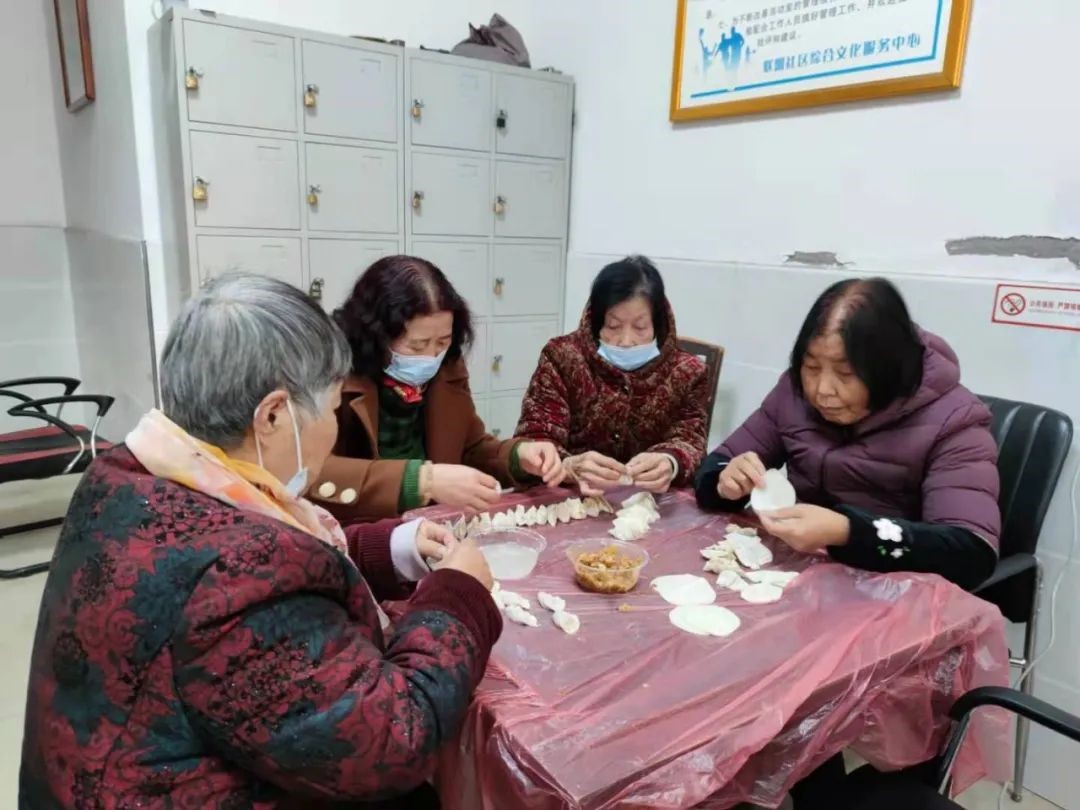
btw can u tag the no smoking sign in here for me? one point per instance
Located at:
(1039, 307)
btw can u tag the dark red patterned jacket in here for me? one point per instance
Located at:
(193, 655)
(580, 402)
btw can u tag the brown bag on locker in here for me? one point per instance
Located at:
(498, 41)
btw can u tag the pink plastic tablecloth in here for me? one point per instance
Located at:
(632, 712)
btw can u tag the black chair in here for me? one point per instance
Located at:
(58, 448)
(869, 790)
(1033, 443)
(713, 358)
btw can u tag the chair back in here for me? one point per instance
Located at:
(1033, 443)
(713, 357)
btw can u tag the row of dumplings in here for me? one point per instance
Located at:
(544, 515)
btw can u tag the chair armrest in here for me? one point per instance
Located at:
(35, 410)
(69, 383)
(1036, 710)
(102, 402)
(18, 397)
(1009, 567)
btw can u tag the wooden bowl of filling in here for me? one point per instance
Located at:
(607, 566)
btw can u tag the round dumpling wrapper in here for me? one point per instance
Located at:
(777, 493)
(704, 620)
(684, 589)
(761, 593)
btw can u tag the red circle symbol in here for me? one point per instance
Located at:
(1013, 304)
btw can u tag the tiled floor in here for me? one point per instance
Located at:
(20, 600)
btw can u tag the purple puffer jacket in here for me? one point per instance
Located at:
(928, 458)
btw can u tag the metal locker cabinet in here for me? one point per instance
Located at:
(515, 350)
(526, 280)
(534, 116)
(351, 188)
(249, 182)
(269, 256)
(334, 265)
(466, 265)
(354, 92)
(477, 359)
(450, 195)
(245, 78)
(531, 199)
(504, 413)
(450, 105)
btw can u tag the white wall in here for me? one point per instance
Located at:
(36, 326)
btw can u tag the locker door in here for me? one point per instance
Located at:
(504, 413)
(515, 350)
(533, 197)
(478, 360)
(537, 116)
(450, 195)
(356, 92)
(277, 258)
(450, 105)
(251, 182)
(466, 265)
(356, 188)
(526, 280)
(338, 263)
(247, 77)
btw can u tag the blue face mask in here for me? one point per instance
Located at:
(414, 369)
(629, 358)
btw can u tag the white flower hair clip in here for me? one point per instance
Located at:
(889, 531)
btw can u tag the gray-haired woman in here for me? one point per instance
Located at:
(208, 638)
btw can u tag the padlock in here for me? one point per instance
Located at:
(496, 363)
(500, 205)
(417, 199)
(310, 92)
(313, 195)
(191, 79)
(500, 120)
(417, 108)
(499, 284)
(198, 190)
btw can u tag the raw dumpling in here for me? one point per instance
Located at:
(510, 599)
(748, 531)
(605, 505)
(577, 509)
(643, 498)
(626, 480)
(485, 523)
(530, 516)
(684, 589)
(732, 580)
(567, 622)
(721, 549)
(761, 594)
(781, 579)
(502, 520)
(555, 604)
(720, 564)
(592, 507)
(519, 515)
(516, 613)
(704, 620)
(752, 553)
(564, 512)
(541, 515)
(776, 493)
(552, 515)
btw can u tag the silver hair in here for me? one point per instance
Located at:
(239, 339)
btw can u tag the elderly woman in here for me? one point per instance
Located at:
(891, 458)
(409, 432)
(618, 397)
(207, 637)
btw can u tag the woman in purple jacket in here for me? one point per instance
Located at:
(891, 458)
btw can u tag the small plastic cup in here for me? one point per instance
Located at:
(598, 577)
(511, 553)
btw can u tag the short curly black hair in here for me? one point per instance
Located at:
(388, 295)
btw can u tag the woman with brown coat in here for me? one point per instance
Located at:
(408, 432)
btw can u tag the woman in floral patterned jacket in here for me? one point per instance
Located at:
(210, 639)
(618, 397)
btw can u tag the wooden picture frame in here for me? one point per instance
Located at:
(810, 60)
(76, 62)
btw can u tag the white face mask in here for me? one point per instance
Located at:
(299, 482)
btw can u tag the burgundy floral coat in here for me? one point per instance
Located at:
(580, 402)
(192, 655)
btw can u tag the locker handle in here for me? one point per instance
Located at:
(500, 120)
(310, 93)
(313, 194)
(417, 199)
(315, 291)
(500, 205)
(499, 284)
(191, 78)
(417, 107)
(496, 363)
(198, 190)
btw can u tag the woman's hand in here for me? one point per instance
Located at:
(434, 542)
(740, 476)
(463, 487)
(807, 528)
(542, 460)
(595, 473)
(468, 559)
(651, 471)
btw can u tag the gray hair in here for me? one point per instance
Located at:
(239, 339)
